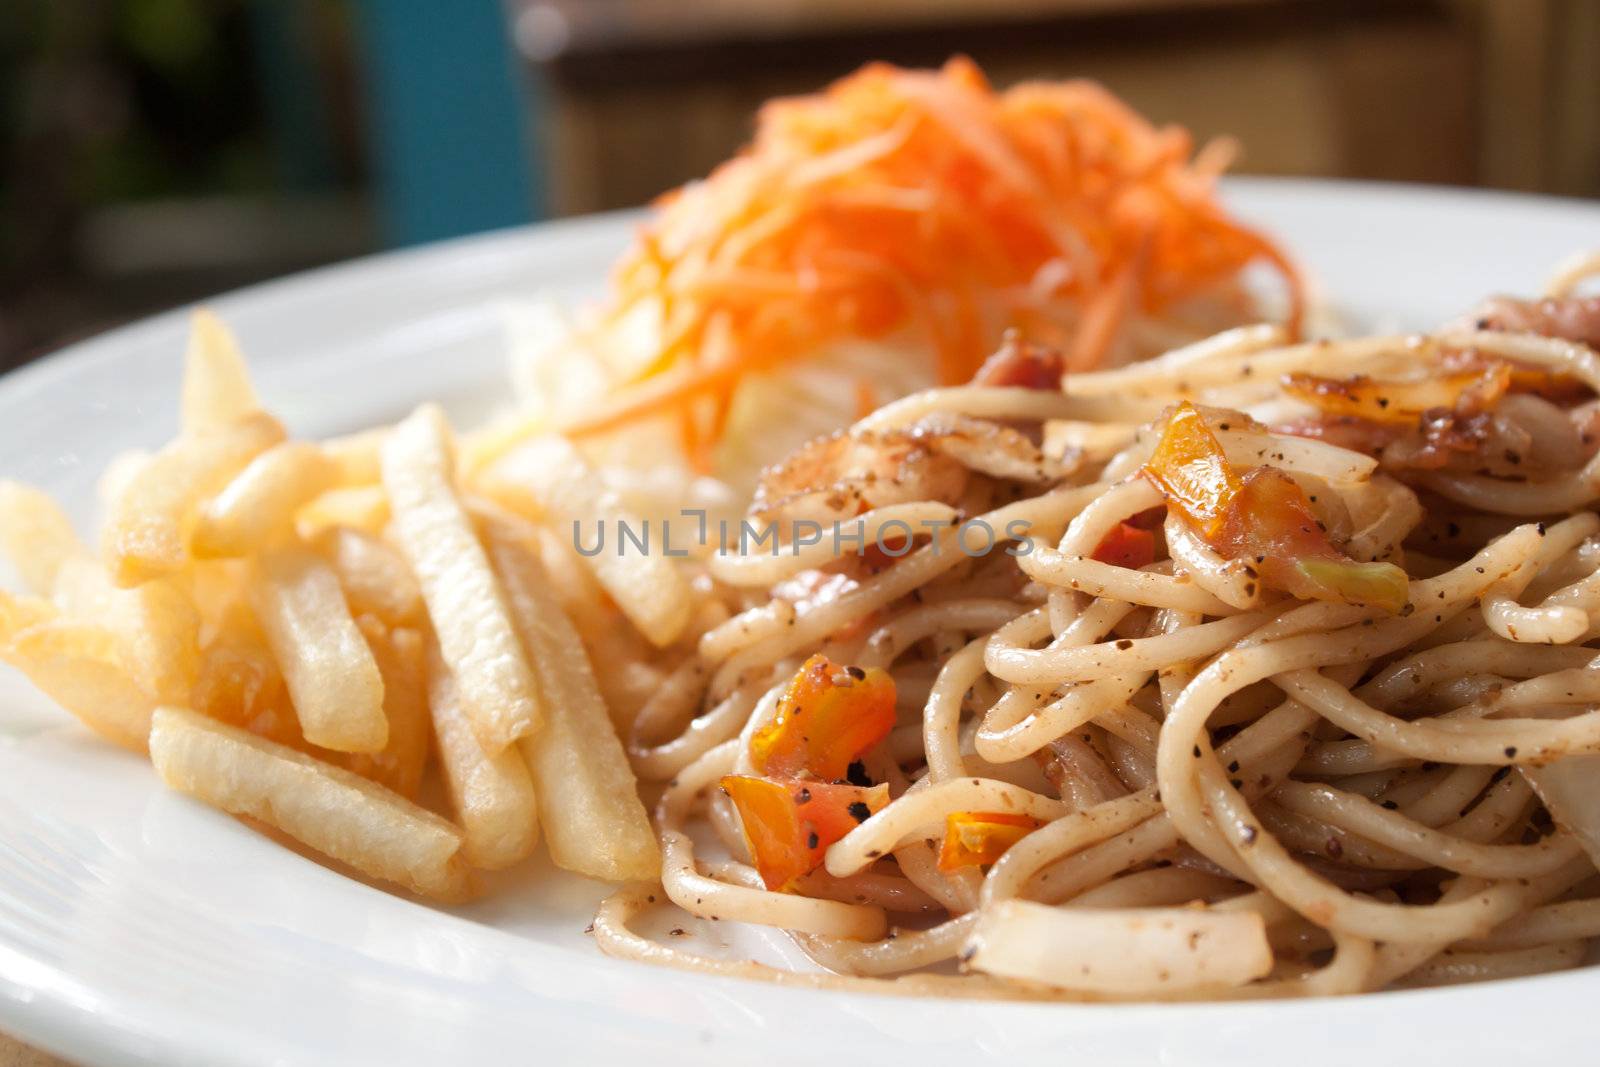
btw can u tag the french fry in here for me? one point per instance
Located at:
(355, 456)
(156, 624)
(35, 534)
(239, 682)
(492, 796)
(258, 507)
(331, 674)
(361, 507)
(148, 525)
(335, 812)
(215, 586)
(551, 477)
(400, 655)
(631, 676)
(17, 613)
(464, 599)
(118, 472)
(577, 590)
(594, 822)
(375, 577)
(217, 391)
(77, 666)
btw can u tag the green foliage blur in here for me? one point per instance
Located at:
(106, 104)
(117, 101)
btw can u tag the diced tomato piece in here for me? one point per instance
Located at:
(789, 823)
(883, 552)
(1263, 517)
(974, 838)
(828, 717)
(1191, 469)
(1127, 545)
(1270, 521)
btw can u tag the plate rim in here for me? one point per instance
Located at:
(50, 1021)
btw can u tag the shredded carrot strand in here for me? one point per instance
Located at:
(923, 200)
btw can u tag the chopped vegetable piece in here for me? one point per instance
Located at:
(1378, 584)
(1191, 469)
(1552, 385)
(1269, 521)
(789, 823)
(828, 717)
(1127, 545)
(1263, 517)
(978, 838)
(1402, 402)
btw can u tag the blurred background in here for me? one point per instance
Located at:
(156, 151)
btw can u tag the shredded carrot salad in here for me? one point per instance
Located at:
(921, 199)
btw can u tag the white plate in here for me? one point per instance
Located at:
(139, 927)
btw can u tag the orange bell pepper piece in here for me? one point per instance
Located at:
(828, 717)
(973, 838)
(789, 823)
(1127, 545)
(1191, 470)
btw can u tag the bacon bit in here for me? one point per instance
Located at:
(841, 475)
(1476, 419)
(1573, 318)
(1346, 431)
(1402, 402)
(789, 824)
(1446, 433)
(900, 198)
(978, 838)
(1022, 365)
(1555, 386)
(827, 718)
(1127, 546)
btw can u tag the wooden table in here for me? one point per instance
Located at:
(14, 1053)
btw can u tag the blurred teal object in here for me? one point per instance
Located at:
(286, 64)
(451, 149)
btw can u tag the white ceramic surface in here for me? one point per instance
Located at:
(138, 927)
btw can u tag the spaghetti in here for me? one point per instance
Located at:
(1277, 695)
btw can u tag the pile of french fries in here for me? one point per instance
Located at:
(309, 634)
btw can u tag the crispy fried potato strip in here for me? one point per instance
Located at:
(594, 821)
(332, 676)
(337, 813)
(464, 598)
(492, 795)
